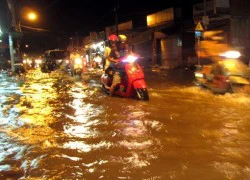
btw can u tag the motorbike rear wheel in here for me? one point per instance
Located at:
(142, 94)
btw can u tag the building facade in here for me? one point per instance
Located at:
(226, 25)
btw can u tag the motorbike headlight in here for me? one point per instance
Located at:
(198, 75)
(78, 61)
(231, 54)
(130, 59)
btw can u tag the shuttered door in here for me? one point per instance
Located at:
(169, 52)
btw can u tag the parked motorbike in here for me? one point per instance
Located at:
(228, 75)
(19, 71)
(132, 84)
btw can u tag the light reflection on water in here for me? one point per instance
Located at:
(60, 128)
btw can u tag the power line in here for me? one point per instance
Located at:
(40, 29)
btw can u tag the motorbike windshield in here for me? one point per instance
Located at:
(235, 68)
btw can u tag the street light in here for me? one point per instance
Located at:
(32, 16)
(17, 30)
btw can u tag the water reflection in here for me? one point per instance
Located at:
(54, 127)
(29, 113)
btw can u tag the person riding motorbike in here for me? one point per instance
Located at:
(229, 74)
(114, 56)
(75, 63)
(123, 45)
(132, 83)
(112, 40)
(106, 53)
(118, 49)
(109, 61)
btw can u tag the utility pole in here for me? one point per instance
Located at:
(205, 18)
(15, 29)
(12, 58)
(1, 32)
(13, 24)
(77, 45)
(205, 7)
(116, 19)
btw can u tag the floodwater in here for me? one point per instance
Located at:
(53, 126)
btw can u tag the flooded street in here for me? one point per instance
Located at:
(53, 126)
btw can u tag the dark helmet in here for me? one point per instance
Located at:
(106, 43)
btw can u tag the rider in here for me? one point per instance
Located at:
(120, 51)
(112, 41)
(114, 56)
(111, 61)
(123, 45)
(106, 54)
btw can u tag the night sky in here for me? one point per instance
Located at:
(83, 16)
(62, 18)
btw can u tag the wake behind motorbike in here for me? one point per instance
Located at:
(228, 75)
(132, 84)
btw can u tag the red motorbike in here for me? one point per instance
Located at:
(228, 75)
(132, 84)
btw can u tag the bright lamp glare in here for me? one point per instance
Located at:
(78, 61)
(231, 54)
(38, 61)
(130, 59)
(32, 16)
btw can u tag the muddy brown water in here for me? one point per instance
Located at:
(53, 126)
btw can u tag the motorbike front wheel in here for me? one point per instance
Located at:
(142, 94)
(78, 72)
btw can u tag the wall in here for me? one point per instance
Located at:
(171, 55)
(240, 34)
(240, 8)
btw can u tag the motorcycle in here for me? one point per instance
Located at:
(77, 71)
(52, 60)
(228, 75)
(132, 84)
(75, 68)
(48, 65)
(20, 71)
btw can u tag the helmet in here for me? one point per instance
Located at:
(113, 37)
(122, 38)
